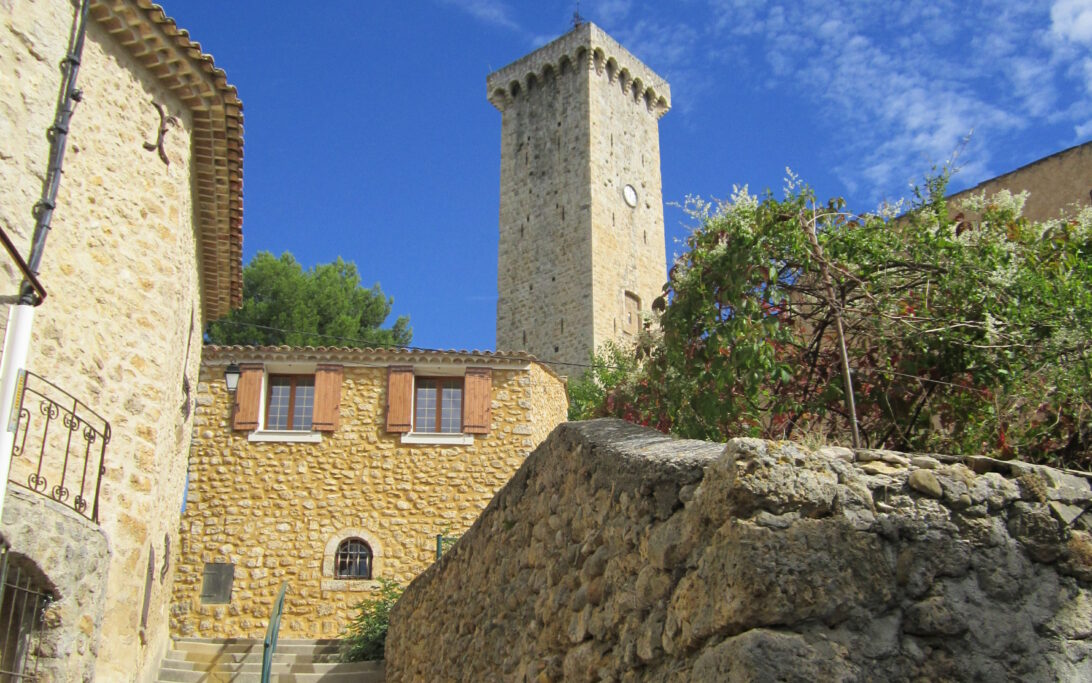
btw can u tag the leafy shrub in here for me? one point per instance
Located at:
(964, 334)
(366, 635)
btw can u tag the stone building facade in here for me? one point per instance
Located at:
(581, 252)
(145, 246)
(1061, 182)
(363, 468)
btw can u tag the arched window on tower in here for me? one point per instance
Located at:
(353, 559)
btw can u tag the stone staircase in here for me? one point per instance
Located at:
(217, 660)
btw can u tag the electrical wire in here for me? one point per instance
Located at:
(371, 344)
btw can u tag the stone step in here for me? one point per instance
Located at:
(212, 660)
(301, 667)
(252, 655)
(353, 676)
(233, 645)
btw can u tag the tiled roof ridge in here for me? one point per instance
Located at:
(221, 351)
(244, 352)
(154, 39)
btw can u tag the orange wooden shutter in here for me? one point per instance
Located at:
(478, 401)
(248, 395)
(326, 415)
(399, 398)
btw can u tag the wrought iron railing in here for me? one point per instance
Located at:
(269, 645)
(22, 607)
(59, 449)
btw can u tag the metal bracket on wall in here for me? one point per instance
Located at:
(166, 121)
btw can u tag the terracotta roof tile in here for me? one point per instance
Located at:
(167, 51)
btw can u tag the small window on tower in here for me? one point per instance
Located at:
(631, 315)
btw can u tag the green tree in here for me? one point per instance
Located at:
(962, 335)
(322, 306)
(611, 366)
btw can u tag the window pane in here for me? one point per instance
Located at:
(451, 412)
(276, 413)
(305, 402)
(425, 417)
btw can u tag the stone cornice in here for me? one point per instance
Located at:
(586, 46)
(154, 40)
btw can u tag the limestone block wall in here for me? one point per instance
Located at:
(628, 241)
(619, 554)
(123, 308)
(278, 510)
(544, 250)
(580, 123)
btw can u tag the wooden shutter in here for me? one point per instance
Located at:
(326, 414)
(400, 398)
(478, 401)
(248, 396)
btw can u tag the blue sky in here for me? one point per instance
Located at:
(368, 134)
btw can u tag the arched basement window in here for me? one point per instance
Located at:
(353, 559)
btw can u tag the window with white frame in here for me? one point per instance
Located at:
(438, 405)
(290, 402)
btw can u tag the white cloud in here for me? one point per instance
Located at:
(493, 12)
(898, 86)
(1072, 20)
(672, 50)
(608, 11)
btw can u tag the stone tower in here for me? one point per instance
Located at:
(581, 251)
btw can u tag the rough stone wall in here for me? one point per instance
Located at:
(277, 510)
(618, 554)
(120, 269)
(1055, 183)
(576, 128)
(76, 558)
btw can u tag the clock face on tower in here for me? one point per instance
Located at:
(630, 195)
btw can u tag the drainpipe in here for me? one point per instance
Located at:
(21, 316)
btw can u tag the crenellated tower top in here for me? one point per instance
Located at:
(586, 46)
(581, 253)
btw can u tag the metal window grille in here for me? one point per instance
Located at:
(353, 560)
(23, 604)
